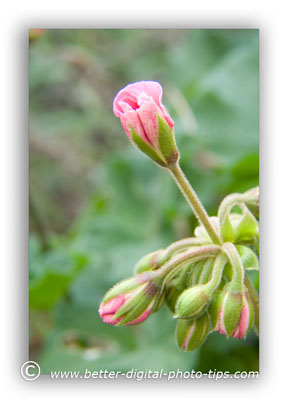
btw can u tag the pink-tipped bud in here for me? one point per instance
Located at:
(191, 333)
(130, 301)
(235, 314)
(146, 120)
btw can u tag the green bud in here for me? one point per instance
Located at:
(193, 302)
(232, 314)
(123, 287)
(191, 333)
(152, 261)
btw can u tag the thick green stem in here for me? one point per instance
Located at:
(255, 300)
(189, 256)
(217, 272)
(238, 270)
(183, 244)
(194, 202)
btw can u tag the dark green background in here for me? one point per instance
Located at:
(97, 204)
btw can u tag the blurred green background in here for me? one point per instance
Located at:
(97, 204)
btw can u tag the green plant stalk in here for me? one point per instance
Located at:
(183, 244)
(217, 272)
(239, 273)
(194, 202)
(169, 268)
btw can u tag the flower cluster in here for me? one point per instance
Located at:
(202, 279)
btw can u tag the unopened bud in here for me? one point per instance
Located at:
(152, 261)
(130, 301)
(193, 302)
(233, 314)
(146, 121)
(191, 333)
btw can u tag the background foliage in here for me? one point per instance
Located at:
(97, 205)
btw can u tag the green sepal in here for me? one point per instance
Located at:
(167, 142)
(135, 311)
(248, 257)
(247, 227)
(159, 301)
(146, 149)
(192, 333)
(138, 295)
(123, 287)
(226, 228)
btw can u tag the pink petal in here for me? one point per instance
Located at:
(244, 321)
(141, 317)
(109, 319)
(132, 118)
(148, 116)
(112, 306)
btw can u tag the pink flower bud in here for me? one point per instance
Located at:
(130, 301)
(138, 105)
(144, 119)
(241, 321)
(108, 309)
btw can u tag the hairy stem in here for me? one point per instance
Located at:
(169, 268)
(194, 202)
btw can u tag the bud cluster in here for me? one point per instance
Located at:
(202, 284)
(203, 279)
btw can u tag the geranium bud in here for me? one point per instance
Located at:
(191, 333)
(146, 121)
(193, 302)
(130, 301)
(152, 261)
(234, 314)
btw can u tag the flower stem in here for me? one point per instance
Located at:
(189, 256)
(255, 300)
(194, 202)
(238, 270)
